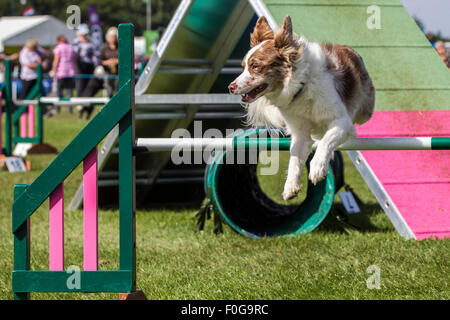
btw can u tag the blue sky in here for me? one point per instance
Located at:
(435, 14)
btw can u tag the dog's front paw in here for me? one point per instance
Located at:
(291, 189)
(318, 170)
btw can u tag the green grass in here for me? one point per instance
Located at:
(174, 262)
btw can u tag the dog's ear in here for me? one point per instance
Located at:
(261, 32)
(284, 37)
(287, 46)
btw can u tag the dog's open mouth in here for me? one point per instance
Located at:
(252, 94)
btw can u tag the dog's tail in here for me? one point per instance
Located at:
(263, 113)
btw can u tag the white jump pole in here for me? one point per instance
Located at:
(65, 101)
(194, 144)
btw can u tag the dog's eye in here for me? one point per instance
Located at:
(255, 67)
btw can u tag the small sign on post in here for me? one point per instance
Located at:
(349, 202)
(15, 164)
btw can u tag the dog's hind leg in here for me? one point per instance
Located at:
(338, 131)
(300, 149)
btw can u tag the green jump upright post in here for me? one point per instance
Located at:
(36, 92)
(7, 95)
(40, 122)
(28, 198)
(127, 185)
(7, 91)
(21, 245)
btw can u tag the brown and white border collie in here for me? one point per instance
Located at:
(316, 91)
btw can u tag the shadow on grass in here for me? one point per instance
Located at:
(338, 221)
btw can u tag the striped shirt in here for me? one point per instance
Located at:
(66, 63)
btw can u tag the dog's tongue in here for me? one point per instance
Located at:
(249, 96)
(252, 94)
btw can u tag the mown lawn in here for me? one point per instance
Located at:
(174, 262)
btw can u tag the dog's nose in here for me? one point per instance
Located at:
(232, 87)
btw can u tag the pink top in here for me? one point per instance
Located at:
(66, 64)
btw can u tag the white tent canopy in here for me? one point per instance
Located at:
(14, 31)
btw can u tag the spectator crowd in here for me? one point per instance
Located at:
(73, 67)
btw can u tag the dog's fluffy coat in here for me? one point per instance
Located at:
(316, 91)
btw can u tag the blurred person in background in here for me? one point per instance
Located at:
(93, 86)
(86, 61)
(3, 57)
(29, 59)
(47, 63)
(63, 69)
(431, 38)
(109, 62)
(442, 51)
(109, 57)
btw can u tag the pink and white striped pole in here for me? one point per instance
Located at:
(56, 229)
(90, 211)
(23, 125)
(31, 121)
(1, 107)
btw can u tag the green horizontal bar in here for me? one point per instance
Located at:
(26, 140)
(56, 281)
(440, 143)
(268, 143)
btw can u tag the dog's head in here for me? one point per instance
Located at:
(269, 61)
